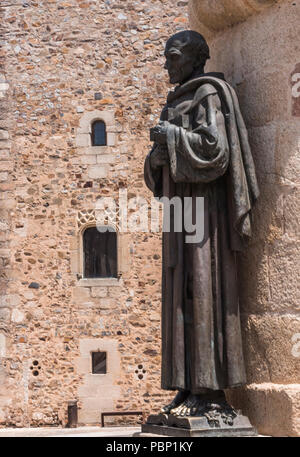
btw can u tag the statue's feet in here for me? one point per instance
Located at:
(213, 406)
(191, 406)
(177, 400)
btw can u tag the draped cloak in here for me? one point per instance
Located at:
(210, 157)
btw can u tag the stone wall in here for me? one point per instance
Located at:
(259, 55)
(60, 61)
(7, 202)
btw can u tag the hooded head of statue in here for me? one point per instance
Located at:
(186, 53)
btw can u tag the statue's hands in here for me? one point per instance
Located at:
(159, 133)
(159, 157)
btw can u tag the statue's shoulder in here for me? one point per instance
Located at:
(204, 90)
(211, 84)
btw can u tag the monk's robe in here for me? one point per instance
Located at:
(210, 157)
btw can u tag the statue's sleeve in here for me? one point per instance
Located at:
(153, 177)
(201, 153)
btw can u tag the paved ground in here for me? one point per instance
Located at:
(54, 432)
(67, 432)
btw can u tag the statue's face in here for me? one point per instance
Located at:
(179, 63)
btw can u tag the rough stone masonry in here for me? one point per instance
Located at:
(60, 62)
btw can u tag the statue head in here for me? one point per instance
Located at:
(186, 53)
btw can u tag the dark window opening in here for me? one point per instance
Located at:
(99, 362)
(100, 253)
(99, 133)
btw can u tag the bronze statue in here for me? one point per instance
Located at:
(201, 149)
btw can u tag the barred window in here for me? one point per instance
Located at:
(99, 362)
(100, 253)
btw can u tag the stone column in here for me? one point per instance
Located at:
(255, 44)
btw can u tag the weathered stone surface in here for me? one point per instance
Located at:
(2, 345)
(259, 104)
(283, 274)
(260, 58)
(81, 293)
(274, 408)
(260, 54)
(107, 303)
(288, 152)
(268, 348)
(5, 314)
(268, 278)
(206, 16)
(99, 292)
(4, 135)
(262, 141)
(9, 301)
(254, 286)
(97, 172)
(17, 316)
(291, 212)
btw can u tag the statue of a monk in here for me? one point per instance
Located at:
(201, 149)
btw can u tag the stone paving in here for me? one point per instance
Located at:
(86, 432)
(54, 432)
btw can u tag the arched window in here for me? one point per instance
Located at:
(98, 133)
(99, 253)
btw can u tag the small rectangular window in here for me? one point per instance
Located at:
(99, 362)
(99, 133)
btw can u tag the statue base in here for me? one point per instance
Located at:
(169, 425)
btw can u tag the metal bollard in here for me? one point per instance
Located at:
(72, 414)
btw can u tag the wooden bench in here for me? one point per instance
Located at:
(121, 413)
